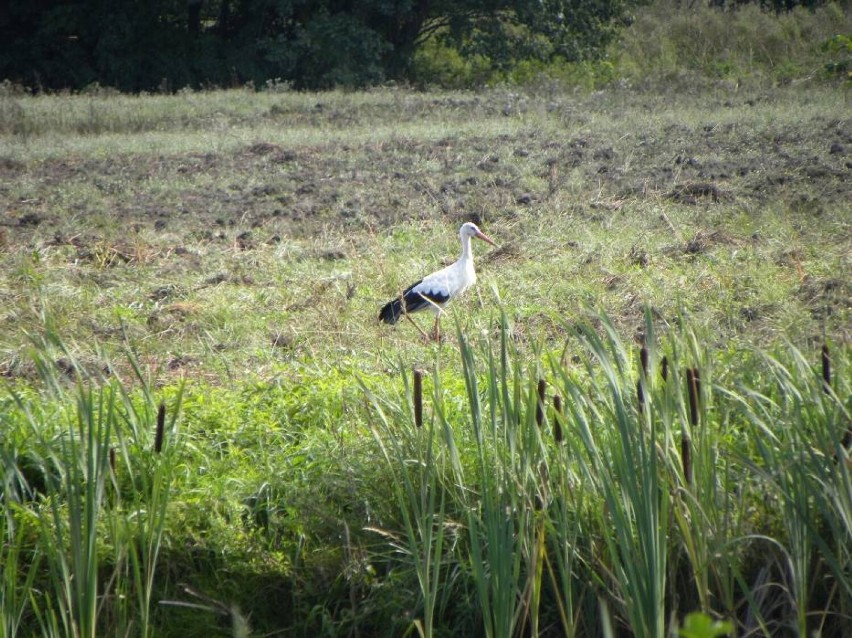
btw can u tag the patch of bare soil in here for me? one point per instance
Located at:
(701, 191)
(825, 296)
(265, 190)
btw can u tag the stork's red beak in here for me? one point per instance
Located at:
(484, 237)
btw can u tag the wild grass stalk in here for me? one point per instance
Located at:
(505, 522)
(139, 524)
(622, 466)
(566, 527)
(20, 568)
(418, 467)
(99, 523)
(69, 526)
(494, 475)
(13, 597)
(705, 508)
(798, 466)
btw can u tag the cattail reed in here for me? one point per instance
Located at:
(693, 387)
(557, 418)
(161, 428)
(643, 362)
(418, 398)
(664, 368)
(539, 408)
(686, 457)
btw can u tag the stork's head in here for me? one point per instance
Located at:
(470, 229)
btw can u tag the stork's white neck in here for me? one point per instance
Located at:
(467, 253)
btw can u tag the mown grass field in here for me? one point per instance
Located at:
(225, 254)
(224, 234)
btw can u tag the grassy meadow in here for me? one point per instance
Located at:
(638, 422)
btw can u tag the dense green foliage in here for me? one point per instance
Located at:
(637, 499)
(166, 44)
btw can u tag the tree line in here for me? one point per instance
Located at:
(136, 45)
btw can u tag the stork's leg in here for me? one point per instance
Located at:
(436, 330)
(419, 329)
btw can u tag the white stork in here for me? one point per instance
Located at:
(436, 290)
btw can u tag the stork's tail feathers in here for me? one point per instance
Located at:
(391, 311)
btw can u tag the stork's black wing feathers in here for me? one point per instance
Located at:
(414, 301)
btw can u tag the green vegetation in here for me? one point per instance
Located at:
(508, 511)
(746, 46)
(165, 46)
(205, 431)
(672, 44)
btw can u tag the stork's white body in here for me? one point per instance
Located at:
(449, 282)
(437, 289)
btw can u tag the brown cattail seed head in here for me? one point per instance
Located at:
(161, 428)
(693, 387)
(557, 419)
(686, 457)
(539, 409)
(418, 398)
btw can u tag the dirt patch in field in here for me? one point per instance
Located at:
(825, 296)
(269, 190)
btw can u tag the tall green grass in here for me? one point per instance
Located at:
(623, 465)
(421, 496)
(805, 470)
(20, 568)
(86, 508)
(597, 489)
(617, 511)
